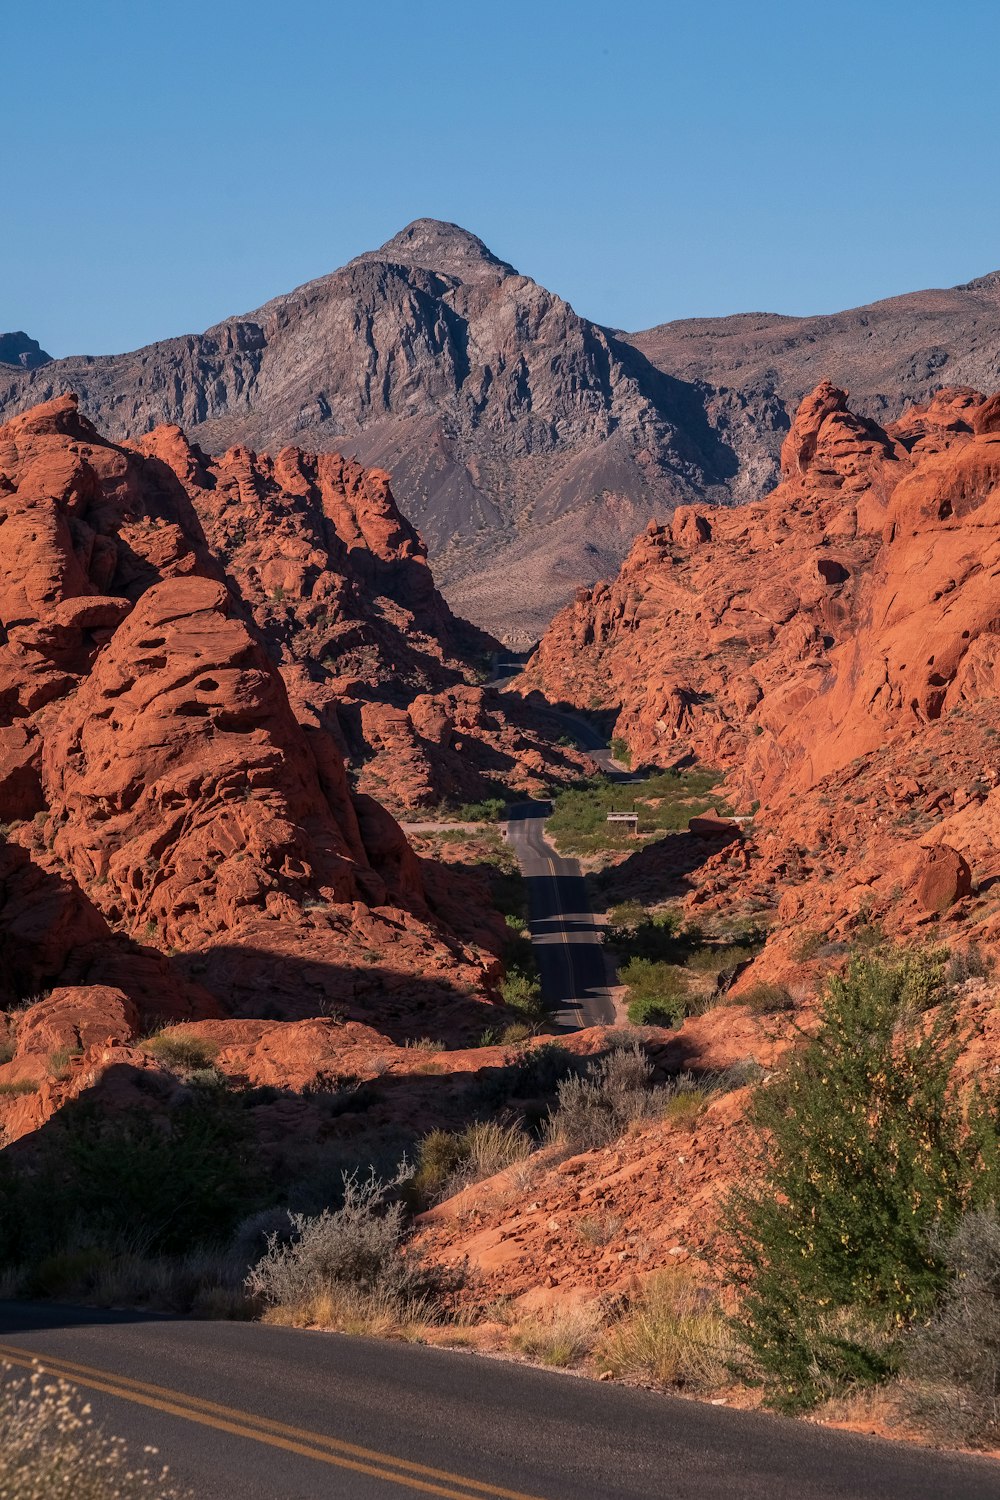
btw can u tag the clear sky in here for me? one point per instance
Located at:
(166, 163)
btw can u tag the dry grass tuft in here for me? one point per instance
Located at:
(671, 1334)
(347, 1309)
(562, 1340)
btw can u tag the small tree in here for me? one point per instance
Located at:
(868, 1159)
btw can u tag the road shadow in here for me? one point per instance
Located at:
(661, 870)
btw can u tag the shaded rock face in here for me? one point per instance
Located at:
(24, 353)
(173, 831)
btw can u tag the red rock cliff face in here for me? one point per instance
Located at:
(720, 609)
(785, 637)
(925, 639)
(187, 836)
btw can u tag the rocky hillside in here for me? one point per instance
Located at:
(888, 354)
(833, 648)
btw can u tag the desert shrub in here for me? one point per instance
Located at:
(530, 1075)
(671, 1334)
(520, 988)
(658, 937)
(766, 999)
(736, 1075)
(954, 1361)
(562, 1339)
(969, 962)
(447, 1160)
(627, 914)
(50, 1448)
(169, 1184)
(596, 1108)
(489, 810)
(66, 1273)
(357, 1248)
(182, 1050)
(599, 1229)
(867, 1156)
(659, 994)
(621, 750)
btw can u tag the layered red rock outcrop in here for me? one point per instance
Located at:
(172, 829)
(336, 581)
(721, 609)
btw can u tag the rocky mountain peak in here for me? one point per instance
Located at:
(436, 245)
(24, 353)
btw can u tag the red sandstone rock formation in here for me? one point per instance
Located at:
(834, 649)
(173, 829)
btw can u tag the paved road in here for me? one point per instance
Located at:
(260, 1413)
(567, 941)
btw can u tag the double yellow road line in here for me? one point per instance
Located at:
(418, 1478)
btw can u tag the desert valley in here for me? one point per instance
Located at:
(314, 922)
(499, 752)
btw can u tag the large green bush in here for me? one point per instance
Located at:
(870, 1158)
(659, 994)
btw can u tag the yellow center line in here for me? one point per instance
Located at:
(563, 934)
(298, 1440)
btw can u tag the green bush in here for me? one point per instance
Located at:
(867, 1157)
(621, 750)
(490, 810)
(520, 988)
(659, 994)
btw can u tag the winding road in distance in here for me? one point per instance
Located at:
(566, 938)
(259, 1413)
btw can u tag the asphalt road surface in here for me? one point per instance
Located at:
(243, 1410)
(566, 940)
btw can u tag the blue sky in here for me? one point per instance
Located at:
(165, 165)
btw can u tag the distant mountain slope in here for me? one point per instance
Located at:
(527, 444)
(513, 428)
(888, 355)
